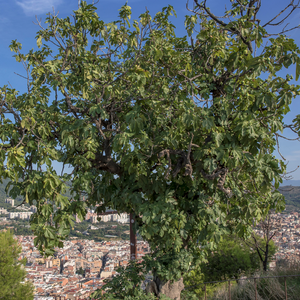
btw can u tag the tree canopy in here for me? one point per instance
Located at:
(180, 132)
(12, 273)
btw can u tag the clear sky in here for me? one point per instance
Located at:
(17, 17)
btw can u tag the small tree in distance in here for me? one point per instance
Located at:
(264, 245)
(12, 273)
(80, 271)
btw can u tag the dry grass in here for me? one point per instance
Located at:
(267, 288)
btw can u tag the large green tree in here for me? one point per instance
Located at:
(181, 133)
(12, 273)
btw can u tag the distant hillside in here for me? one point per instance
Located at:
(290, 182)
(2, 189)
(3, 195)
(292, 197)
(18, 200)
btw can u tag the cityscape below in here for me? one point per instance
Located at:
(82, 265)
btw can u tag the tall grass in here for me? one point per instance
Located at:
(267, 288)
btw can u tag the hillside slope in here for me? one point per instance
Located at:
(292, 197)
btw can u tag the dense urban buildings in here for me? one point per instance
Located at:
(76, 270)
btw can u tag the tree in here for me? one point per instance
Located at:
(12, 273)
(80, 271)
(264, 246)
(233, 258)
(180, 134)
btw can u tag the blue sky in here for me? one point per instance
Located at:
(17, 17)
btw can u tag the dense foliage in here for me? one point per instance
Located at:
(181, 134)
(233, 258)
(12, 273)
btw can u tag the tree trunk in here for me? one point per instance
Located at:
(171, 290)
(265, 265)
(265, 262)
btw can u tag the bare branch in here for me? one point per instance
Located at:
(293, 7)
(224, 25)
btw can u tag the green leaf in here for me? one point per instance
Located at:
(158, 54)
(218, 138)
(39, 41)
(208, 123)
(297, 68)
